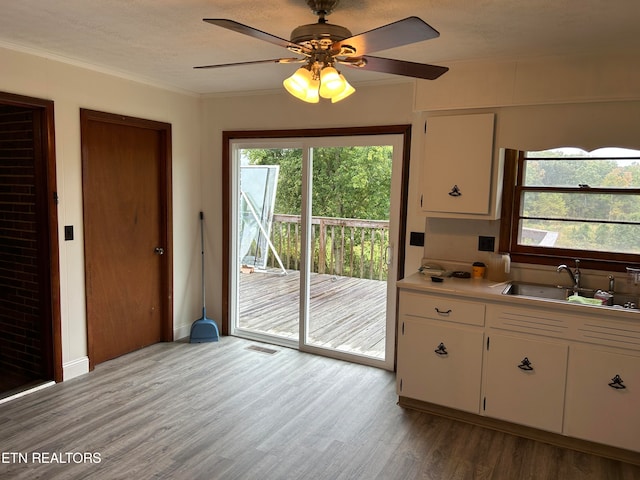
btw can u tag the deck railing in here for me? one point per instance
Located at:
(341, 246)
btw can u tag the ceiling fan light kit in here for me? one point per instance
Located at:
(323, 45)
(311, 82)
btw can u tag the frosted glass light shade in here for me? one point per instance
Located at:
(348, 90)
(312, 92)
(298, 83)
(331, 82)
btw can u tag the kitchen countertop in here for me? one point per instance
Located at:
(487, 290)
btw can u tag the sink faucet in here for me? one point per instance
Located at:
(575, 274)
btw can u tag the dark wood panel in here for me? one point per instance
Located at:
(30, 247)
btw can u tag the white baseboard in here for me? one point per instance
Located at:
(75, 368)
(181, 332)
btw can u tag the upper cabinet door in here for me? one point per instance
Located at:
(458, 168)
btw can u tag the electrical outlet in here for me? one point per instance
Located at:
(486, 244)
(416, 239)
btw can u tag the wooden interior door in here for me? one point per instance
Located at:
(126, 194)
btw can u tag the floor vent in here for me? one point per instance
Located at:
(256, 348)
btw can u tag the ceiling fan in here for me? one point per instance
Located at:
(321, 46)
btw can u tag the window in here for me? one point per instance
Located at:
(568, 203)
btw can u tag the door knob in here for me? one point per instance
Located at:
(158, 251)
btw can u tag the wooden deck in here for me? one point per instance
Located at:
(346, 314)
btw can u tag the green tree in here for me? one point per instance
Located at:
(348, 182)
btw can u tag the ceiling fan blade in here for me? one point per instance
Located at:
(396, 34)
(253, 62)
(252, 32)
(398, 67)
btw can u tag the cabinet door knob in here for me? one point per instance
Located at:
(617, 383)
(442, 312)
(525, 364)
(441, 350)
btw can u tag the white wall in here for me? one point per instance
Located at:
(72, 88)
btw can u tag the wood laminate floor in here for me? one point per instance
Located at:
(226, 411)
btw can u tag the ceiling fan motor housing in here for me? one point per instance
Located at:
(322, 7)
(324, 34)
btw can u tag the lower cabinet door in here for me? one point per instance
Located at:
(603, 397)
(525, 381)
(440, 364)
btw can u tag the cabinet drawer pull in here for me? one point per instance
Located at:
(617, 383)
(443, 312)
(441, 350)
(455, 191)
(525, 364)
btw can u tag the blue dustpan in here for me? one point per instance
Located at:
(204, 329)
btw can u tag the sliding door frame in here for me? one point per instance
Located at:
(227, 191)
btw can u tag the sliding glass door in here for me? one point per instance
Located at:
(313, 262)
(266, 264)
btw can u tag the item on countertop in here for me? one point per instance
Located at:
(605, 297)
(478, 270)
(498, 267)
(459, 274)
(431, 269)
(575, 298)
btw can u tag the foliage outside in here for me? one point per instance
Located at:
(583, 219)
(348, 184)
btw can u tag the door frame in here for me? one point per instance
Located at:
(166, 207)
(229, 136)
(49, 269)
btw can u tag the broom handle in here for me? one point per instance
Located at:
(204, 311)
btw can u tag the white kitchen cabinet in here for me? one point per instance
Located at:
(457, 177)
(440, 364)
(525, 381)
(439, 353)
(528, 364)
(603, 397)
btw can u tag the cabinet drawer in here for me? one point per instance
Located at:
(612, 333)
(527, 320)
(596, 410)
(441, 308)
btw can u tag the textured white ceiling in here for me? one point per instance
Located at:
(159, 41)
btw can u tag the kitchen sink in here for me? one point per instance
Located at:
(558, 292)
(551, 292)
